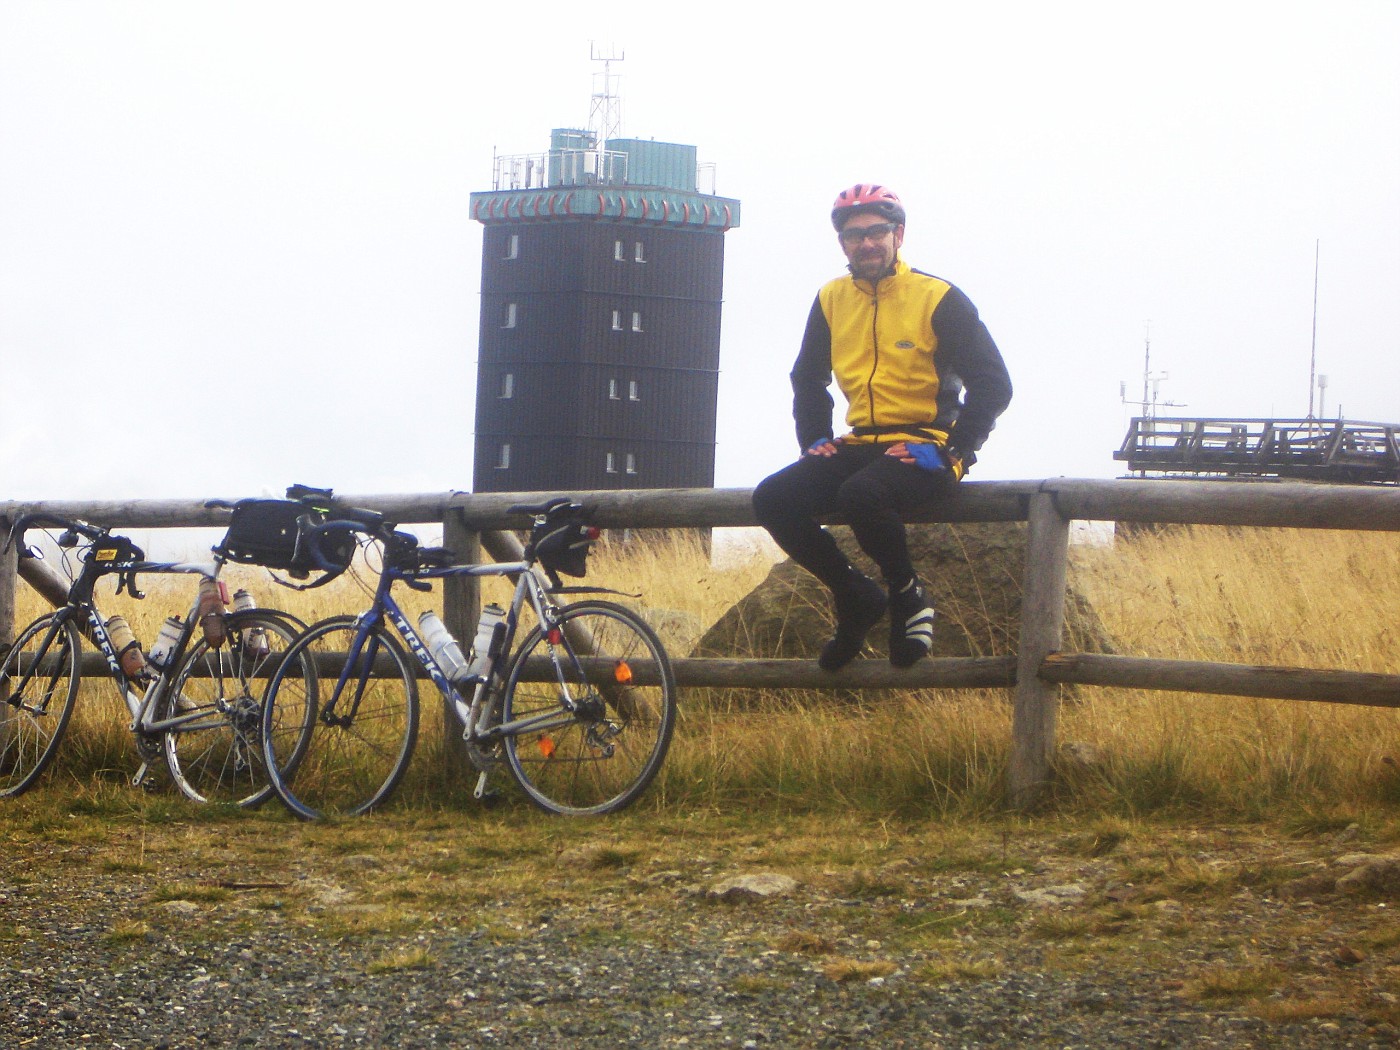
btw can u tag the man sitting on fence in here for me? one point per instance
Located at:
(924, 384)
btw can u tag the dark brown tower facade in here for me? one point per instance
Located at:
(601, 290)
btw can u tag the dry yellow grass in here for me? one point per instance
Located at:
(1313, 599)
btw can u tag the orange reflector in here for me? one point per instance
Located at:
(555, 636)
(622, 672)
(546, 746)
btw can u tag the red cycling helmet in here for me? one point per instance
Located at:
(867, 197)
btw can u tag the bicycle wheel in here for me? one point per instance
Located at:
(215, 754)
(365, 722)
(38, 688)
(603, 755)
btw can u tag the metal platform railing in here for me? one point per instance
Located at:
(1339, 450)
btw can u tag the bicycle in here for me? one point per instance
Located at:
(581, 711)
(194, 704)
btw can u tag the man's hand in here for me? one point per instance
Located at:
(825, 447)
(926, 455)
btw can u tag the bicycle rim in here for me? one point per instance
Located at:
(361, 740)
(216, 755)
(615, 669)
(38, 688)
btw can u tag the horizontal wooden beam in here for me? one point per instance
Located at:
(993, 672)
(1193, 676)
(1262, 503)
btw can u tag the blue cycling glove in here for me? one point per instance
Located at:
(929, 457)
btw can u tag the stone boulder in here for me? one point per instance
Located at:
(972, 571)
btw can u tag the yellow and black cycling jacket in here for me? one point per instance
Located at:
(911, 356)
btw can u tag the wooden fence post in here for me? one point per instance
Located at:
(461, 607)
(1036, 702)
(8, 578)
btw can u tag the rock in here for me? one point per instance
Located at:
(1309, 887)
(1379, 875)
(1346, 955)
(1051, 896)
(972, 571)
(1075, 756)
(758, 886)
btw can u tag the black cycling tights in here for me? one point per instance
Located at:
(863, 486)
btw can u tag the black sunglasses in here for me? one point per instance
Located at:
(853, 235)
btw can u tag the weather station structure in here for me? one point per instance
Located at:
(602, 276)
(1309, 448)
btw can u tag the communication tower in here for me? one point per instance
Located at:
(601, 289)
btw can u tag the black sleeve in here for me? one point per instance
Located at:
(811, 376)
(965, 348)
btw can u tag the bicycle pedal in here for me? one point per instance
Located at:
(484, 793)
(139, 780)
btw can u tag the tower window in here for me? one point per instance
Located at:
(507, 387)
(512, 247)
(614, 394)
(636, 320)
(639, 253)
(503, 460)
(611, 465)
(617, 320)
(631, 463)
(619, 251)
(633, 393)
(509, 321)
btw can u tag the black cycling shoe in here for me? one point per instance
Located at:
(858, 608)
(911, 625)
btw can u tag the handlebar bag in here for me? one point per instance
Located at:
(268, 532)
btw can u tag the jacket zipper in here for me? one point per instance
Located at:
(875, 342)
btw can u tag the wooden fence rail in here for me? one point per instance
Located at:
(473, 522)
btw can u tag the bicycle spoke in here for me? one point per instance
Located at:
(214, 751)
(39, 685)
(603, 756)
(363, 735)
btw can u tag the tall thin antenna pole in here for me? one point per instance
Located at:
(1146, 368)
(1312, 368)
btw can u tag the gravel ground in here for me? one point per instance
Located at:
(314, 951)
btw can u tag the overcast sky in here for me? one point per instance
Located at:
(236, 252)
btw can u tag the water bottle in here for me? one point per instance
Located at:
(442, 645)
(213, 600)
(488, 628)
(128, 649)
(255, 641)
(166, 640)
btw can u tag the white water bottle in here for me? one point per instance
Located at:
(164, 645)
(484, 648)
(255, 640)
(442, 645)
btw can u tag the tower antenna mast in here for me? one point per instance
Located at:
(605, 116)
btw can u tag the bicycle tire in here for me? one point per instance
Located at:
(28, 739)
(345, 768)
(600, 759)
(218, 758)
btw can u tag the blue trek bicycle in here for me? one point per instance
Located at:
(580, 712)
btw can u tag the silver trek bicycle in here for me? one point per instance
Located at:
(194, 703)
(579, 705)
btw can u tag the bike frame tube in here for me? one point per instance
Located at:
(527, 587)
